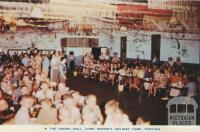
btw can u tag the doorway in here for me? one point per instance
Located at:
(123, 47)
(96, 52)
(155, 45)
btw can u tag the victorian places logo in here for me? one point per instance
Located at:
(182, 111)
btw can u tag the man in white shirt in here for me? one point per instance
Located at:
(25, 60)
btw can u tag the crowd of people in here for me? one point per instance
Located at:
(170, 78)
(33, 91)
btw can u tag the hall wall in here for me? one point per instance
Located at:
(187, 50)
(139, 46)
(183, 45)
(111, 42)
(187, 47)
(24, 40)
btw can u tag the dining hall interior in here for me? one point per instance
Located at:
(98, 62)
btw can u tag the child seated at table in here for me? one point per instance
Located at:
(44, 92)
(91, 112)
(104, 72)
(159, 82)
(65, 117)
(22, 117)
(62, 90)
(114, 115)
(136, 83)
(162, 81)
(142, 121)
(176, 84)
(47, 114)
(122, 74)
(128, 78)
(175, 78)
(112, 73)
(78, 99)
(86, 65)
(148, 75)
(70, 104)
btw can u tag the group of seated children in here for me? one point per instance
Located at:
(139, 75)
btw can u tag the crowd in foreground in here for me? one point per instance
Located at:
(33, 91)
(172, 78)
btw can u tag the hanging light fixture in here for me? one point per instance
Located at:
(123, 29)
(173, 20)
(36, 12)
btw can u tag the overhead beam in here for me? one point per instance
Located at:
(157, 25)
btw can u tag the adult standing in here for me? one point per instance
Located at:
(72, 59)
(25, 60)
(55, 61)
(32, 50)
(45, 65)
(86, 62)
(155, 60)
(115, 59)
(101, 57)
(62, 70)
(38, 60)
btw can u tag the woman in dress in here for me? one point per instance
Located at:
(38, 60)
(55, 61)
(45, 65)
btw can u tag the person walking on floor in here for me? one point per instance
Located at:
(62, 70)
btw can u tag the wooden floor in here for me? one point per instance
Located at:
(152, 108)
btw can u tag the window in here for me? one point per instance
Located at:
(181, 108)
(190, 108)
(173, 108)
(79, 42)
